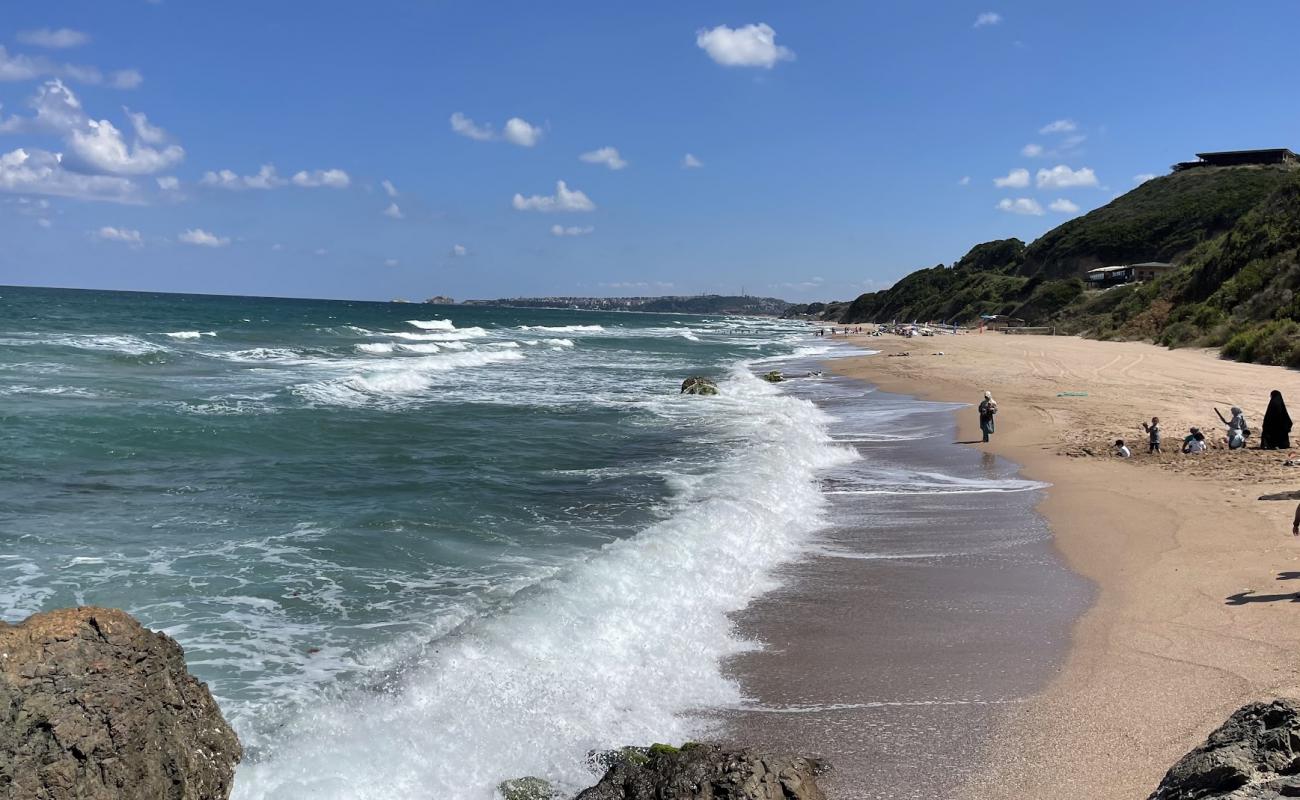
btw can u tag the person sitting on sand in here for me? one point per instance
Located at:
(1275, 433)
(1153, 434)
(1194, 442)
(1237, 428)
(988, 408)
(1122, 450)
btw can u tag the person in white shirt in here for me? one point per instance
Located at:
(1122, 450)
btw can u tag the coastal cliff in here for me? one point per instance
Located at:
(94, 706)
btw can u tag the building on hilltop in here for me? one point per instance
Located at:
(1127, 273)
(1241, 158)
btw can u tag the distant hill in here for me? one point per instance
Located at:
(1233, 234)
(692, 304)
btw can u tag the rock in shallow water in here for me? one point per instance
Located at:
(707, 772)
(698, 385)
(93, 706)
(1255, 755)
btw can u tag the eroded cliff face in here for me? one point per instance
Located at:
(94, 706)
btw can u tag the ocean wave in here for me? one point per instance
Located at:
(377, 348)
(51, 391)
(432, 324)
(189, 334)
(118, 344)
(617, 649)
(449, 336)
(563, 328)
(397, 379)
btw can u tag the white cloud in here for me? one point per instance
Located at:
(1063, 206)
(1021, 205)
(53, 38)
(18, 67)
(1031, 150)
(521, 133)
(1062, 177)
(1059, 126)
(393, 211)
(988, 18)
(458, 250)
(41, 172)
(146, 132)
(333, 178)
(1144, 177)
(965, 181)
(101, 148)
(202, 238)
(467, 127)
(1015, 179)
(606, 155)
(44, 223)
(266, 178)
(168, 183)
(125, 79)
(564, 199)
(57, 111)
(572, 230)
(389, 188)
(748, 46)
(126, 235)
(691, 162)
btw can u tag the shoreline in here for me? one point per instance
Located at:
(1170, 645)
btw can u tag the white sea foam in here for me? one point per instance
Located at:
(395, 379)
(428, 347)
(190, 334)
(126, 344)
(563, 328)
(920, 482)
(432, 324)
(615, 650)
(378, 348)
(448, 336)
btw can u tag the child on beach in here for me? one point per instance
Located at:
(1122, 450)
(1194, 442)
(1153, 432)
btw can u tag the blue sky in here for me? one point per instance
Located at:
(836, 145)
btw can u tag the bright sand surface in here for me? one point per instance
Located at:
(1196, 611)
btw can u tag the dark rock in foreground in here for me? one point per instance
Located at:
(93, 706)
(1255, 755)
(698, 385)
(707, 772)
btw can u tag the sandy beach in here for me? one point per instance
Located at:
(1196, 578)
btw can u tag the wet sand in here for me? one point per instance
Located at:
(923, 612)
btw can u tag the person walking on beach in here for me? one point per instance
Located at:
(1275, 433)
(1153, 434)
(988, 408)
(1237, 428)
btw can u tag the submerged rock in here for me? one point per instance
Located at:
(93, 706)
(706, 772)
(1255, 755)
(774, 376)
(698, 385)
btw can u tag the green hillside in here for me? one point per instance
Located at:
(1233, 232)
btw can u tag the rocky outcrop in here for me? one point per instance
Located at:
(93, 706)
(705, 772)
(698, 385)
(1255, 755)
(774, 376)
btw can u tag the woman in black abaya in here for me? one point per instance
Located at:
(1276, 432)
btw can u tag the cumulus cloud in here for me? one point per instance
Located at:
(56, 39)
(100, 147)
(458, 250)
(572, 230)
(564, 199)
(1144, 177)
(606, 155)
(125, 235)
(748, 46)
(332, 178)
(1021, 205)
(691, 162)
(517, 131)
(168, 183)
(1015, 179)
(1063, 206)
(389, 188)
(41, 172)
(58, 111)
(1031, 150)
(202, 238)
(144, 130)
(1062, 177)
(266, 178)
(393, 211)
(1059, 126)
(988, 18)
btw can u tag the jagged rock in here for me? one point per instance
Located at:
(698, 385)
(708, 772)
(774, 376)
(93, 706)
(1255, 755)
(529, 788)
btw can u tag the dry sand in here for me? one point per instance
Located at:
(1197, 610)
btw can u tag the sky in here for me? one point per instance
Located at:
(809, 151)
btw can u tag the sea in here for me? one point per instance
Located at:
(416, 550)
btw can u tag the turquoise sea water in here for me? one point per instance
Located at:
(413, 549)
